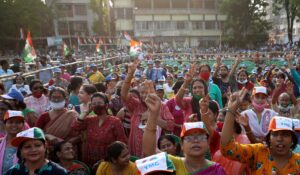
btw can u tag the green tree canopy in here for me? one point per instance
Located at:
(245, 25)
(31, 15)
(100, 7)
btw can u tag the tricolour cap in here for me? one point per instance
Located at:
(13, 114)
(155, 163)
(260, 90)
(191, 127)
(278, 123)
(296, 123)
(29, 134)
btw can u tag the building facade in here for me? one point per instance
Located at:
(74, 17)
(279, 33)
(181, 23)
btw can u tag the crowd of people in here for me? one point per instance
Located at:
(153, 116)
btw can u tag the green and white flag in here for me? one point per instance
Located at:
(135, 48)
(29, 53)
(66, 49)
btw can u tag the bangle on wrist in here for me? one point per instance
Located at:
(230, 111)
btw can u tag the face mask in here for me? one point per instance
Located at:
(259, 107)
(242, 82)
(57, 106)
(99, 110)
(197, 97)
(284, 109)
(205, 76)
(37, 94)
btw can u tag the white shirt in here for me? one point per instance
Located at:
(260, 128)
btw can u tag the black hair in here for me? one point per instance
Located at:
(56, 149)
(281, 74)
(204, 65)
(224, 65)
(18, 75)
(177, 86)
(135, 91)
(247, 97)
(75, 83)
(168, 137)
(194, 102)
(114, 150)
(3, 62)
(214, 107)
(100, 87)
(33, 82)
(242, 70)
(294, 139)
(101, 95)
(89, 89)
(58, 89)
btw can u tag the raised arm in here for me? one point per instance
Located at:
(153, 103)
(236, 63)
(126, 85)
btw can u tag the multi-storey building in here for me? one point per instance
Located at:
(74, 17)
(279, 33)
(180, 23)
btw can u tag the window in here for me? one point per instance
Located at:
(179, 4)
(128, 13)
(221, 25)
(80, 26)
(209, 25)
(62, 28)
(180, 25)
(197, 25)
(120, 14)
(196, 3)
(64, 10)
(143, 25)
(161, 4)
(80, 10)
(210, 4)
(162, 25)
(143, 4)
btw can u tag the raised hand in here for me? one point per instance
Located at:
(132, 66)
(204, 103)
(289, 87)
(149, 87)
(289, 56)
(153, 103)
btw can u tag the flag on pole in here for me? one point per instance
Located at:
(98, 47)
(79, 41)
(135, 48)
(94, 40)
(22, 34)
(127, 36)
(28, 53)
(66, 49)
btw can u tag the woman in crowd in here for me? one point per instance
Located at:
(37, 101)
(57, 122)
(243, 80)
(15, 99)
(169, 144)
(4, 106)
(64, 155)
(190, 105)
(73, 89)
(20, 86)
(194, 139)
(137, 107)
(13, 123)
(85, 93)
(274, 157)
(259, 117)
(32, 155)
(101, 129)
(117, 161)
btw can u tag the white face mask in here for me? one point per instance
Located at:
(57, 106)
(21, 84)
(242, 82)
(285, 109)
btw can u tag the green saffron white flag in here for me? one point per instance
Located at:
(29, 54)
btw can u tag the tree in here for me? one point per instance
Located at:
(100, 7)
(245, 25)
(31, 15)
(292, 8)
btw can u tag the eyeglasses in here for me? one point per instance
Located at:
(38, 88)
(192, 138)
